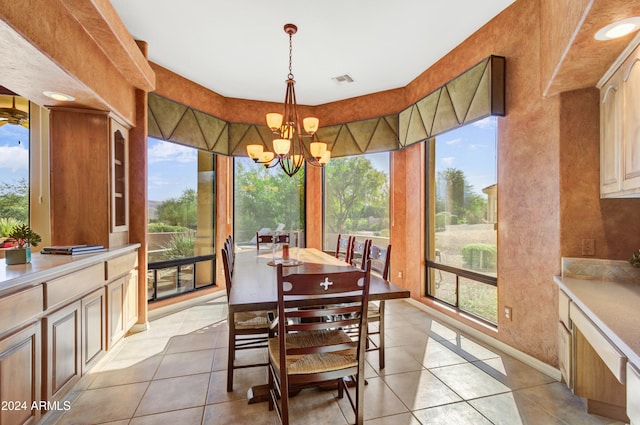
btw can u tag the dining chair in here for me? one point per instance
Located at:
(344, 248)
(360, 252)
(247, 330)
(309, 350)
(270, 239)
(380, 263)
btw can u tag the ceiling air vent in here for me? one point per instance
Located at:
(343, 79)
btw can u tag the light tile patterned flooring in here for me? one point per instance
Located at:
(175, 373)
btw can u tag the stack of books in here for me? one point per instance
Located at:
(72, 249)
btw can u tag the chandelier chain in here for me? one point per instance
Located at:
(290, 76)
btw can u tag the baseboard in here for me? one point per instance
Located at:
(517, 354)
(157, 313)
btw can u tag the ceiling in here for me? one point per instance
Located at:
(239, 49)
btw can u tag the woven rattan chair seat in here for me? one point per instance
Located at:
(316, 362)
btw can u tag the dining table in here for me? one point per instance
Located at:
(254, 285)
(254, 281)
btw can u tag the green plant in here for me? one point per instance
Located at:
(162, 228)
(7, 224)
(635, 259)
(479, 256)
(181, 245)
(23, 237)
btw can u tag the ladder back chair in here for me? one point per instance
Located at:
(344, 248)
(380, 261)
(247, 330)
(309, 350)
(271, 239)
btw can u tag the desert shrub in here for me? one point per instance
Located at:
(479, 256)
(163, 228)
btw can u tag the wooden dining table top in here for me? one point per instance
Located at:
(254, 281)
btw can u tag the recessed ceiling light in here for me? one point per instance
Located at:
(59, 96)
(618, 29)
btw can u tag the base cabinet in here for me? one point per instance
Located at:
(20, 386)
(122, 295)
(57, 328)
(565, 353)
(633, 394)
(62, 344)
(94, 328)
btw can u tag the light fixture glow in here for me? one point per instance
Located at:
(318, 149)
(618, 29)
(63, 97)
(281, 146)
(254, 151)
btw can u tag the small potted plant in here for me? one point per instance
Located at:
(635, 259)
(22, 238)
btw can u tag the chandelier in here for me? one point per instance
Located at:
(289, 150)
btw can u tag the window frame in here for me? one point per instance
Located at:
(431, 266)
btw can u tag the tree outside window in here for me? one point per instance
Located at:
(356, 198)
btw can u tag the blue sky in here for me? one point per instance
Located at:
(14, 153)
(472, 149)
(172, 169)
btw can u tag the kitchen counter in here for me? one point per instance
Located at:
(45, 267)
(608, 292)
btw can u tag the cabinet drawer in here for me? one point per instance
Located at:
(121, 265)
(69, 287)
(612, 358)
(633, 394)
(20, 307)
(563, 308)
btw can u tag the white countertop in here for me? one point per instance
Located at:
(612, 306)
(46, 266)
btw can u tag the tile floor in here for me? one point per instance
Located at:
(175, 373)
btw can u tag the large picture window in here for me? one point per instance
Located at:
(356, 199)
(14, 169)
(181, 210)
(266, 200)
(462, 215)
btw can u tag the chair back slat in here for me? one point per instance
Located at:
(360, 253)
(324, 284)
(344, 248)
(227, 270)
(380, 260)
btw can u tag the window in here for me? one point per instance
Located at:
(14, 169)
(356, 198)
(181, 211)
(266, 200)
(462, 217)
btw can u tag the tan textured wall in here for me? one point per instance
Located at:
(583, 214)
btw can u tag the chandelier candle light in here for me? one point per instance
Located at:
(289, 149)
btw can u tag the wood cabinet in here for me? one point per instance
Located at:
(633, 394)
(565, 340)
(89, 178)
(54, 329)
(62, 367)
(20, 374)
(600, 368)
(122, 296)
(94, 328)
(620, 127)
